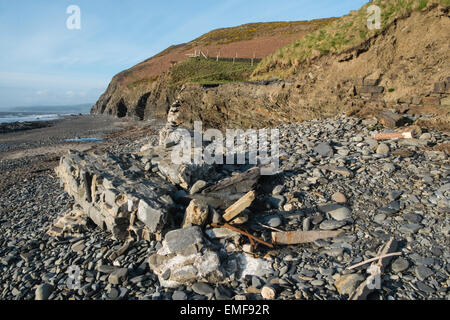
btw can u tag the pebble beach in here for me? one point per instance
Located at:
(334, 176)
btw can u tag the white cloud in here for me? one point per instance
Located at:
(42, 92)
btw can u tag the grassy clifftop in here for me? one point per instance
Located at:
(344, 33)
(207, 71)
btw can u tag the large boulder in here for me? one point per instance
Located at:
(186, 257)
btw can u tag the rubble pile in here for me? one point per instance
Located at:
(146, 196)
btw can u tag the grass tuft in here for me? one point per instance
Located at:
(344, 33)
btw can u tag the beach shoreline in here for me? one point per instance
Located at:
(37, 149)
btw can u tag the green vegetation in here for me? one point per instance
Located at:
(207, 71)
(422, 4)
(377, 127)
(141, 83)
(344, 33)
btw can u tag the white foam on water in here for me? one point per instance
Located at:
(18, 117)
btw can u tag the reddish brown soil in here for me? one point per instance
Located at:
(260, 47)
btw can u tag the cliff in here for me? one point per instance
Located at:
(396, 68)
(143, 91)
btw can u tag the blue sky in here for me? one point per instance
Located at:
(42, 62)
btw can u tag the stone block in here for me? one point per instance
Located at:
(371, 89)
(96, 216)
(439, 87)
(390, 119)
(178, 240)
(371, 82)
(152, 215)
(118, 276)
(110, 196)
(431, 101)
(196, 213)
(445, 101)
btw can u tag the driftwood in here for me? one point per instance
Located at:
(375, 259)
(375, 270)
(297, 237)
(252, 237)
(393, 135)
(240, 183)
(269, 227)
(236, 208)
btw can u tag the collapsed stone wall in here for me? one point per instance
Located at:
(117, 196)
(132, 197)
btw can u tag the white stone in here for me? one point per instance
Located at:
(253, 266)
(268, 293)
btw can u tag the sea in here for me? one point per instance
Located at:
(9, 117)
(28, 114)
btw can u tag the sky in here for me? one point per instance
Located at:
(43, 62)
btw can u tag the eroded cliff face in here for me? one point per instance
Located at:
(134, 100)
(399, 69)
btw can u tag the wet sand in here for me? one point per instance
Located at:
(25, 153)
(48, 139)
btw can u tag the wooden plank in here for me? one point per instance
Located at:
(236, 208)
(297, 237)
(393, 135)
(237, 183)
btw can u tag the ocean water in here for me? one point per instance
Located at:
(9, 117)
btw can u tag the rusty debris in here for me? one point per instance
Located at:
(250, 236)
